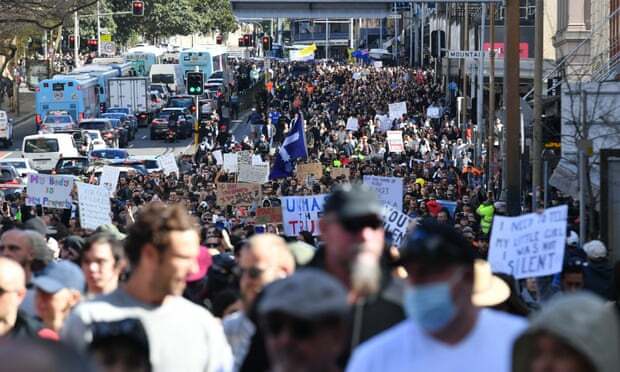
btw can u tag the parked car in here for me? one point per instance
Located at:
(6, 129)
(23, 166)
(77, 166)
(104, 126)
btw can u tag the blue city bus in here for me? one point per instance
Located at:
(103, 72)
(142, 58)
(208, 60)
(75, 94)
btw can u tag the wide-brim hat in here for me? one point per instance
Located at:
(489, 289)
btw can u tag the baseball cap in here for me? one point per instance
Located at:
(435, 243)
(595, 249)
(309, 294)
(351, 201)
(60, 275)
(111, 229)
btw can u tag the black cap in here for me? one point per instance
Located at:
(351, 201)
(436, 244)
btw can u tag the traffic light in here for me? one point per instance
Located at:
(71, 40)
(266, 43)
(195, 83)
(218, 39)
(137, 8)
(92, 44)
(241, 42)
(247, 40)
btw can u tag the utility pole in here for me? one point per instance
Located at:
(536, 152)
(98, 31)
(583, 143)
(326, 38)
(76, 41)
(464, 63)
(423, 11)
(512, 100)
(479, 100)
(491, 118)
(411, 23)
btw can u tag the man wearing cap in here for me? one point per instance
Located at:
(444, 331)
(102, 261)
(353, 243)
(162, 246)
(59, 289)
(304, 319)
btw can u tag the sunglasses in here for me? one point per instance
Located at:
(355, 225)
(212, 245)
(253, 272)
(299, 329)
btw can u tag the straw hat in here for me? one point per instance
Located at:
(489, 290)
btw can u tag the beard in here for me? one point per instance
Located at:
(365, 274)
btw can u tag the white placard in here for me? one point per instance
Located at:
(396, 223)
(302, 213)
(253, 173)
(397, 110)
(530, 245)
(433, 112)
(258, 160)
(217, 154)
(385, 123)
(230, 163)
(109, 178)
(377, 64)
(352, 124)
(49, 191)
(244, 157)
(395, 141)
(169, 164)
(389, 190)
(94, 204)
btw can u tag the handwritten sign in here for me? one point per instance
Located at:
(94, 204)
(244, 157)
(49, 191)
(230, 163)
(309, 170)
(302, 213)
(395, 141)
(530, 245)
(169, 164)
(237, 193)
(268, 215)
(109, 178)
(217, 154)
(396, 222)
(353, 124)
(397, 110)
(338, 172)
(253, 174)
(389, 190)
(258, 160)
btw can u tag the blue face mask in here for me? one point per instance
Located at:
(430, 305)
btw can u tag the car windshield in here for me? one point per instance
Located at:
(41, 145)
(165, 114)
(98, 125)
(16, 164)
(164, 79)
(73, 163)
(151, 164)
(57, 120)
(138, 167)
(181, 102)
(109, 154)
(119, 110)
(94, 135)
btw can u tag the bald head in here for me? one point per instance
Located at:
(272, 249)
(13, 290)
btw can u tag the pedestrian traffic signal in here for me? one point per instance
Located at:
(92, 44)
(266, 43)
(218, 39)
(195, 83)
(137, 8)
(247, 40)
(241, 42)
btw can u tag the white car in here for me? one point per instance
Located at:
(96, 139)
(6, 129)
(21, 165)
(151, 162)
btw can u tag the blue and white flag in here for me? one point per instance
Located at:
(293, 147)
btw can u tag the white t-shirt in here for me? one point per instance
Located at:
(407, 348)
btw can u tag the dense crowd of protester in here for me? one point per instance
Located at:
(181, 283)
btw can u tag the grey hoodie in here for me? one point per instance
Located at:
(580, 320)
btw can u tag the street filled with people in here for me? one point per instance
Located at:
(351, 228)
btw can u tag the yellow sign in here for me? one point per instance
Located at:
(106, 38)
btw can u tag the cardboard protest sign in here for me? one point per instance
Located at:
(337, 172)
(389, 190)
(395, 141)
(94, 204)
(268, 215)
(304, 171)
(244, 157)
(230, 163)
(109, 178)
(258, 160)
(217, 154)
(352, 124)
(396, 222)
(302, 213)
(397, 110)
(169, 164)
(253, 174)
(530, 245)
(49, 191)
(237, 193)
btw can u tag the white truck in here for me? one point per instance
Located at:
(131, 93)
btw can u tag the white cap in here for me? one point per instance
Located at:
(572, 239)
(595, 249)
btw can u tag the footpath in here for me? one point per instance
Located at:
(26, 106)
